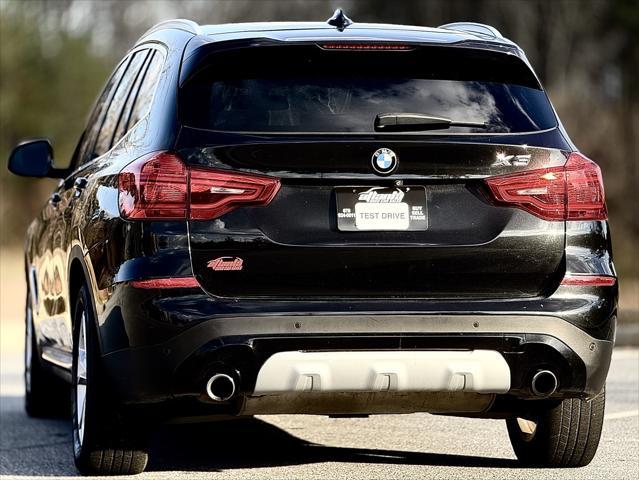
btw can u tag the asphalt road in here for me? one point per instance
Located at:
(286, 446)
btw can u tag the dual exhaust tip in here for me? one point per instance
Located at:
(544, 383)
(221, 387)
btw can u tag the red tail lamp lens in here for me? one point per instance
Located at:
(161, 187)
(154, 186)
(214, 193)
(585, 190)
(572, 192)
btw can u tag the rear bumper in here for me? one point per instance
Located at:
(178, 369)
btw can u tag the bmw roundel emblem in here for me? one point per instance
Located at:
(384, 161)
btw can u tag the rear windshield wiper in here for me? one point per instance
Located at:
(415, 122)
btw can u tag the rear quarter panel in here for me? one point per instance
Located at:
(88, 227)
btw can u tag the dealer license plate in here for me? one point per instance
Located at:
(381, 208)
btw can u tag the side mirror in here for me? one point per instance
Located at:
(34, 158)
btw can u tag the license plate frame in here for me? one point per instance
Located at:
(382, 209)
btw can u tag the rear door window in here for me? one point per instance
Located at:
(144, 97)
(125, 114)
(85, 150)
(107, 130)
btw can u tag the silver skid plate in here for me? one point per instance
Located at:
(479, 371)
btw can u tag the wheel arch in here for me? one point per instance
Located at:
(79, 275)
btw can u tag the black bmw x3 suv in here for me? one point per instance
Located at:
(320, 218)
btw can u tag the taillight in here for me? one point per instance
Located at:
(154, 186)
(585, 190)
(161, 187)
(215, 192)
(572, 192)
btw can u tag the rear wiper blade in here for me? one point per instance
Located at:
(415, 122)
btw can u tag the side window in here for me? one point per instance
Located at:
(145, 95)
(95, 120)
(123, 122)
(109, 124)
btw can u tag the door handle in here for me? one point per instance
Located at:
(55, 199)
(80, 183)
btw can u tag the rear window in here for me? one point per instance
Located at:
(311, 90)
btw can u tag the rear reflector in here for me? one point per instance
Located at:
(175, 282)
(589, 280)
(161, 187)
(572, 192)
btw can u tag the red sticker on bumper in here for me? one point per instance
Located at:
(226, 263)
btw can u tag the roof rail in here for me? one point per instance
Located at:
(474, 28)
(178, 24)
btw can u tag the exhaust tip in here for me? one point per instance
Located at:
(544, 383)
(220, 387)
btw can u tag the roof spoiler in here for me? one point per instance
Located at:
(474, 28)
(178, 24)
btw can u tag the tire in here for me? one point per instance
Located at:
(45, 395)
(103, 444)
(565, 435)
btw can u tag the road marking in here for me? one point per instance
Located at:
(627, 414)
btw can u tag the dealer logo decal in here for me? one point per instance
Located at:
(371, 196)
(226, 263)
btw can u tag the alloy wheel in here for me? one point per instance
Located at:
(81, 379)
(28, 350)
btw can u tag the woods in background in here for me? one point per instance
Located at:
(55, 56)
